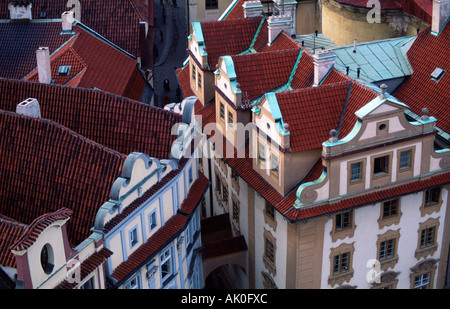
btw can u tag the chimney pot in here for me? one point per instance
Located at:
(29, 107)
(67, 21)
(43, 65)
(20, 10)
(252, 8)
(277, 24)
(323, 62)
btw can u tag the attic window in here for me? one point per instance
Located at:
(64, 70)
(437, 74)
(43, 13)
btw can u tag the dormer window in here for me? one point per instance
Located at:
(64, 70)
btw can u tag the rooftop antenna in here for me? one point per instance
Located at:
(314, 47)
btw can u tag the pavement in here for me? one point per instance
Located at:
(171, 50)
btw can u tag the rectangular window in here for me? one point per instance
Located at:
(199, 80)
(427, 237)
(269, 251)
(64, 70)
(390, 208)
(134, 283)
(152, 223)
(194, 72)
(343, 221)
(211, 4)
(235, 211)
(166, 266)
(356, 172)
(133, 235)
(191, 178)
(387, 249)
(381, 166)
(422, 281)
(432, 196)
(341, 263)
(270, 211)
(405, 159)
(275, 165)
(230, 120)
(222, 111)
(261, 153)
(225, 193)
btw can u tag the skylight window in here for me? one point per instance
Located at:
(64, 70)
(437, 74)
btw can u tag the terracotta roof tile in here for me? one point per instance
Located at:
(45, 167)
(274, 67)
(312, 112)
(10, 230)
(228, 37)
(427, 53)
(116, 20)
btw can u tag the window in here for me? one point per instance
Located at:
(133, 235)
(47, 259)
(387, 249)
(211, 4)
(422, 281)
(261, 153)
(166, 266)
(222, 111)
(270, 211)
(152, 222)
(225, 193)
(194, 72)
(134, 283)
(230, 120)
(64, 70)
(356, 172)
(390, 208)
(341, 263)
(269, 251)
(432, 196)
(427, 237)
(88, 285)
(199, 80)
(191, 178)
(275, 165)
(343, 221)
(381, 166)
(437, 74)
(405, 159)
(235, 211)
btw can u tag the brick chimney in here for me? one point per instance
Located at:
(277, 24)
(441, 13)
(252, 8)
(67, 21)
(20, 10)
(323, 62)
(43, 65)
(29, 107)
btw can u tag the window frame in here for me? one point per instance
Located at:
(384, 170)
(166, 257)
(340, 259)
(275, 172)
(133, 236)
(230, 121)
(221, 111)
(211, 4)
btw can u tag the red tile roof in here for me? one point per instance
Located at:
(88, 56)
(228, 37)
(115, 122)
(45, 167)
(427, 53)
(274, 67)
(34, 230)
(10, 230)
(304, 74)
(312, 112)
(116, 20)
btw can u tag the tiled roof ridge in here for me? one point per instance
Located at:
(12, 222)
(314, 88)
(32, 232)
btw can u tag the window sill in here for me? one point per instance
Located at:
(339, 279)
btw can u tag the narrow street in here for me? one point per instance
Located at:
(171, 49)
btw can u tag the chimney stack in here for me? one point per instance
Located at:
(67, 21)
(43, 65)
(20, 10)
(29, 107)
(277, 24)
(441, 12)
(323, 62)
(252, 8)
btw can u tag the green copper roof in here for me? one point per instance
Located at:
(378, 60)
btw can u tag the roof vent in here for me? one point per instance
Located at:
(64, 70)
(29, 107)
(437, 74)
(20, 10)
